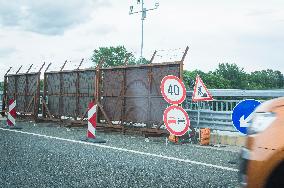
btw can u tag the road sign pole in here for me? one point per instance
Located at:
(198, 115)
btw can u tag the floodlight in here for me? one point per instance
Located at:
(157, 5)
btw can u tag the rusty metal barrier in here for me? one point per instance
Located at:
(68, 93)
(126, 95)
(129, 95)
(25, 89)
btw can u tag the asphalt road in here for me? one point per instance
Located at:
(45, 155)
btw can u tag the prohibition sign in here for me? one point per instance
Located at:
(173, 89)
(176, 120)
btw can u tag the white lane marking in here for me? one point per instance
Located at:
(125, 150)
(217, 148)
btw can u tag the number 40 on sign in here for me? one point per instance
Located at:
(173, 89)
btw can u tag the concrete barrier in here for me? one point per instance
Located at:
(232, 140)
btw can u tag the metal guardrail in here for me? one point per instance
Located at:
(211, 119)
(244, 93)
(217, 114)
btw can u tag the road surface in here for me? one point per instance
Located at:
(45, 155)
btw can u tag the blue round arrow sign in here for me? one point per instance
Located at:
(242, 114)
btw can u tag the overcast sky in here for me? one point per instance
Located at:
(249, 33)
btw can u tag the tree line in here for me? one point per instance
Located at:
(230, 76)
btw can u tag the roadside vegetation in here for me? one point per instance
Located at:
(230, 76)
(225, 76)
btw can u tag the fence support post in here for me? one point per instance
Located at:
(37, 94)
(61, 91)
(153, 56)
(4, 97)
(181, 62)
(97, 88)
(44, 92)
(77, 90)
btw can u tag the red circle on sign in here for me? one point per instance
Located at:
(187, 124)
(165, 95)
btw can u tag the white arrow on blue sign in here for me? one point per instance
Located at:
(242, 114)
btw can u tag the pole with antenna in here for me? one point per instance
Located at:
(143, 16)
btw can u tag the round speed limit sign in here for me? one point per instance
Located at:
(173, 89)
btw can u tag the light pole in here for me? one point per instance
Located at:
(143, 16)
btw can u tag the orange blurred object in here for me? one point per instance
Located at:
(204, 136)
(173, 138)
(262, 157)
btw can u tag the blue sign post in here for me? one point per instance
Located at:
(242, 114)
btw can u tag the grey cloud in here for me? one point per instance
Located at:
(104, 29)
(5, 52)
(260, 12)
(45, 16)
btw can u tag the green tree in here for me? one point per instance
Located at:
(210, 79)
(237, 77)
(112, 56)
(230, 76)
(215, 81)
(115, 56)
(266, 79)
(142, 61)
(189, 77)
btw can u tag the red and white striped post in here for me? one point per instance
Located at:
(11, 118)
(92, 124)
(92, 120)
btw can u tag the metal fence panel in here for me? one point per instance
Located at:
(68, 104)
(24, 88)
(132, 94)
(53, 92)
(11, 86)
(69, 92)
(86, 89)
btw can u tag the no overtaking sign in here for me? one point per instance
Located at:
(176, 120)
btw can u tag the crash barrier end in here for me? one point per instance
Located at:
(92, 125)
(11, 115)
